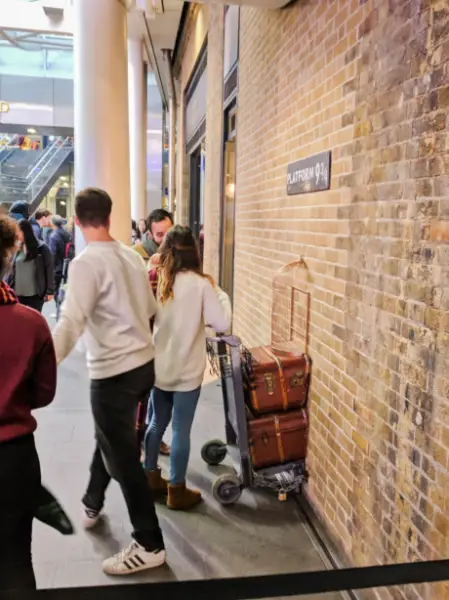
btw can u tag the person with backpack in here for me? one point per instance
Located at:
(19, 210)
(68, 257)
(42, 227)
(59, 240)
(32, 274)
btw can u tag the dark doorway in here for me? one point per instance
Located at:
(197, 172)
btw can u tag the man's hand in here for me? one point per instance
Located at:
(48, 298)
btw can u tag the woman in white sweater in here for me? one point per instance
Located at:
(188, 302)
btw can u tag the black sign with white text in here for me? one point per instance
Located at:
(312, 174)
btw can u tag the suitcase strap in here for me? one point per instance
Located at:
(277, 429)
(281, 378)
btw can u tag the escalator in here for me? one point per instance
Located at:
(28, 176)
(7, 146)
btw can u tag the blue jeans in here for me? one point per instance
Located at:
(182, 405)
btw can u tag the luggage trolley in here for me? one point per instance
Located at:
(290, 325)
(229, 359)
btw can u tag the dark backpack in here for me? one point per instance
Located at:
(69, 256)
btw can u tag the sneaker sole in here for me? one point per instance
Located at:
(87, 526)
(135, 570)
(89, 523)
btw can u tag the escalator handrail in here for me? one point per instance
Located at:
(44, 156)
(6, 151)
(9, 144)
(63, 146)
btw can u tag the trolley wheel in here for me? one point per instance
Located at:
(214, 452)
(227, 489)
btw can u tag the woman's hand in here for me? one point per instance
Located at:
(155, 260)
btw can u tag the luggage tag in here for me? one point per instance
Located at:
(282, 496)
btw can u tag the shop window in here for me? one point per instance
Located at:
(231, 39)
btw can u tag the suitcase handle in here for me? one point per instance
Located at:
(230, 340)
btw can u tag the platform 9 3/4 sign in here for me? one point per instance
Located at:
(312, 174)
(4, 107)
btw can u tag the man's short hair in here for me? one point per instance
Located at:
(41, 214)
(93, 207)
(57, 221)
(158, 215)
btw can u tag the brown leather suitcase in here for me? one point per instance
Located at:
(278, 439)
(279, 382)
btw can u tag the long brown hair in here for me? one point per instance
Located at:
(8, 239)
(179, 253)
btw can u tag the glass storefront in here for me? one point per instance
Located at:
(228, 206)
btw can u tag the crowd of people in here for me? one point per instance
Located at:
(144, 328)
(37, 270)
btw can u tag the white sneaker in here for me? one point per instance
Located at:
(90, 517)
(133, 559)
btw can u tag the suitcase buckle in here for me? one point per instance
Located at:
(297, 380)
(269, 383)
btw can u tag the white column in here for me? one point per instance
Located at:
(101, 106)
(137, 128)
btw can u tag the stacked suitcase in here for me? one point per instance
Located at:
(277, 389)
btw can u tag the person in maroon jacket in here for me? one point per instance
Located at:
(28, 382)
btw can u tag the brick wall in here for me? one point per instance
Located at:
(370, 81)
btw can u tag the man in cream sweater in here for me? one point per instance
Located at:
(109, 300)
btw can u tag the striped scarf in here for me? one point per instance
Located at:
(7, 296)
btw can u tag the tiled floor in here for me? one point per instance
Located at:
(258, 535)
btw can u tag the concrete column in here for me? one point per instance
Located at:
(101, 107)
(137, 128)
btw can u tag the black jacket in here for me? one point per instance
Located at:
(58, 244)
(45, 278)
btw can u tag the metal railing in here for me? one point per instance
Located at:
(8, 147)
(15, 187)
(44, 170)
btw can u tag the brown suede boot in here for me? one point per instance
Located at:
(181, 498)
(157, 483)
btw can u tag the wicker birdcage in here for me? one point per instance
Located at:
(290, 314)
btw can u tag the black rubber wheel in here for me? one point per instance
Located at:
(214, 452)
(227, 489)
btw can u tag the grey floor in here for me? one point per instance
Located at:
(258, 535)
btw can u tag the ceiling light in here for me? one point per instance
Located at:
(62, 203)
(31, 130)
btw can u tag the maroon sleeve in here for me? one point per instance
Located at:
(44, 374)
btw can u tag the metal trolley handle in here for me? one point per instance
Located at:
(230, 340)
